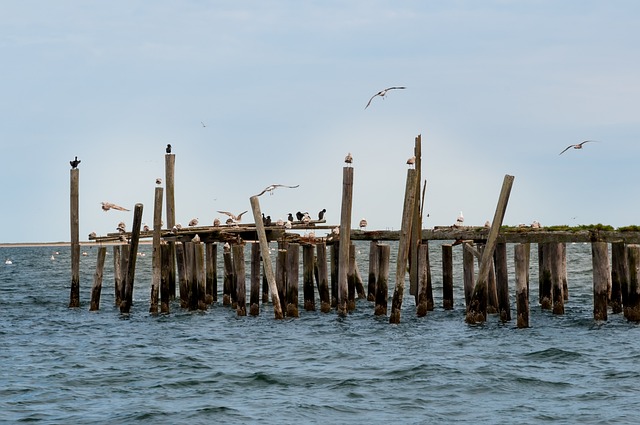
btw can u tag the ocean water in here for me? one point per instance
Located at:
(72, 366)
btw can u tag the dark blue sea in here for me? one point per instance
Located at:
(73, 366)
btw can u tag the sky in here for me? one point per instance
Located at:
(493, 88)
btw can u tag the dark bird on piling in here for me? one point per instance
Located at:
(168, 148)
(234, 218)
(348, 159)
(75, 162)
(578, 146)
(321, 213)
(299, 216)
(106, 206)
(272, 187)
(267, 221)
(158, 181)
(290, 217)
(383, 93)
(411, 161)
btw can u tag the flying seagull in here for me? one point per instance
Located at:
(272, 187)
(75, 162)
(578, 146)
(234, 218)
(106, 206)
(382, 94)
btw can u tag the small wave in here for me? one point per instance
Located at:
(553, 354)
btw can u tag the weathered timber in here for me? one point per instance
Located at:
(359, 282)
(117, 274)
(323, 281)
(469, 276)
(191, 291)
(521, 261)
(502, 282)
(227, 282)
(335, 250)
(601, 279)
(200, 276)
(373, 271)
(563, 271)
(632, 308)
(492, 292)
(416, 225)
(211, 251)
(124, 268)
(557, 290)
(619, 277)
(97, 279)
(351, 278)
(281, 275)
(240, 279)
(307, 277)
(403, 245)
(74, 297)
(125, 306)
(423, 280)
(447, 276)
(254, 297)
(182, 273)
(477, 311)
(382, 286)
(156, 260)
(293, 269)
(169, 174)
(165, 296)
(345, 240)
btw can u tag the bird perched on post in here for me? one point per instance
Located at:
(321, 214)
(383, 93)
(411, 161)
(299, 216)
(578, 146)
(460, 219)
(216, 222)
(363, 224)
(290, 217)
(193, 222)
(348, 159)
(168, 150)
(158, 181)
(75, 162)
(234, 218)
(106, 206)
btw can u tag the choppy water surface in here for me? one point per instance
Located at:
(63, 365)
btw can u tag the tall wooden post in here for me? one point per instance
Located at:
(522, 292)
(293, 270)
(502, 282)
(227, 285)
(557, 282)
(351, 278)
(382, 286)
(403, 245)
(212, 273)
(373, 271)
(423, 280)
(117, 274)
(74, 299)
(416, 225)
(266, 261)
(156, 260)
(169, 173)
(241, 279)
(307, 277)
(97, 279)
(447, 276)
(200, 276)
(601, 279)
(345, 240)
(254, 297)
(477, 311)
(125, 306)
(468, 270)
(632, 308)
(619, 276)
(165, 297)
(124, 268)
(323, 280)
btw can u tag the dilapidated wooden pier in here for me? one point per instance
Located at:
(184, 261)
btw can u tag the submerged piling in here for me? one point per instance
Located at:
(97, 279)
(382, 286)
(211, 251)
(601, 279)
(632, 308)
(323, 281)
(522, 293)
(156, 259)
(125, 306)
(619, 276)
(293, 269)
(240, 279)
(254, 297)
(423, 280)
(307, 277)
(502, 282)
(373, 271)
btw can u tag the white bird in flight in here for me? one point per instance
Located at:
(106, 206)
(382, 94)
(578, 146)
(234, 218)
(272, 187)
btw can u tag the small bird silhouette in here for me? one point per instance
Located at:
(578, 146)
(168, 150)
(321, 213)
(158, 181)
(106, 206)
(382, 94)
(348, 159)
(203, 124)
(272, 187)
(411, 161)
(193, 222)
(75, 162)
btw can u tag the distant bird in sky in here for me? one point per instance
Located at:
(411, 161)
(193, 222)
(321, 213)
(383, 93)
(75, 162)
(203, 124)
(168, 148)
(272, 187)
(234, 218)
(363, 224)
(106, 206)
(578, 146)
(348, 159)
(460, 219)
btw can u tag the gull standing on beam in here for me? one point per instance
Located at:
(578, 146)
(383, 93)
(234, 218)
(272, 187)
(106, 206)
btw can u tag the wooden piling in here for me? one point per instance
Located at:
(468, 270)
(492, 292)
(522, 293)
(165, 296)
(423, 280)
(601, 279)
(74, 298)
(546, 282)
(211, 267)
(323, 281)
(117, 274)
(351, 278)
(382, 286)
(619, 277)
(557, 282)
(477, 311)
(358, 280)
(416, 225)
(563, 271)
(447, 276)
(265, 286)
(281, 275)
(373, 271)
(632, 307)
(191, 292)
(200, 276)
(227, 284)
(293, 270)
(169, 170)
(125, 306)
(254, 297)
(502, 282)
(182, 274)
(266, 259)
(240, 279)
(156, 259)
(335, 250)
(345, 240)
(124, 268)
(97, 279)
(403, 245)
(307, 277)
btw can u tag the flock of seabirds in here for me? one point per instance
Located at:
(301, 217)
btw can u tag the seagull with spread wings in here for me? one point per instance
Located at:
(272, 187)
(234, 218)
(106, 206)
(383, 93)
(578, 146)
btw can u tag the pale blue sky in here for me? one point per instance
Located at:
(494, 87)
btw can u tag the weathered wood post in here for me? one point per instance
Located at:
(212, 273)
(447, 276)
(502, 282)
(632, 308)
(416, 225)
(563, 272)
(307, 277)
(281, 275)
(403, 245)
(97, 279)
(492, 292)
(345, 240)
(190, 295)
(522, 293)
(181, 261)
(477, 311)
(293, 270)
(156, 259)
(358, 279)
(266, 260)
(74, 298)
(169, 174)
(241, 279)
(601, 279)
(351, 278)
(124, 268)
(165, 296)
(117, 274)
(469, 275)
(125, 306)
(373, 271)
(545, 280)
(619, 276)
(254, 297)
(227, 284)
(200, 276)
(323, 281)
(265, 287)
(423, 280)
(382, 286)
(335, 249)
(557, 286)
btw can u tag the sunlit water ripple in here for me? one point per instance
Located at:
(63, 365)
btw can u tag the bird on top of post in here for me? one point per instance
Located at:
(158, 181)
(75, 162)
(193, 222)
(363, 224)
(348, 159)
(411, 161)
(321, 213)
(168, 150)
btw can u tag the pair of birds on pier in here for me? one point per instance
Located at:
(349, 160)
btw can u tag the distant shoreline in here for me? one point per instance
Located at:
(40, 244)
